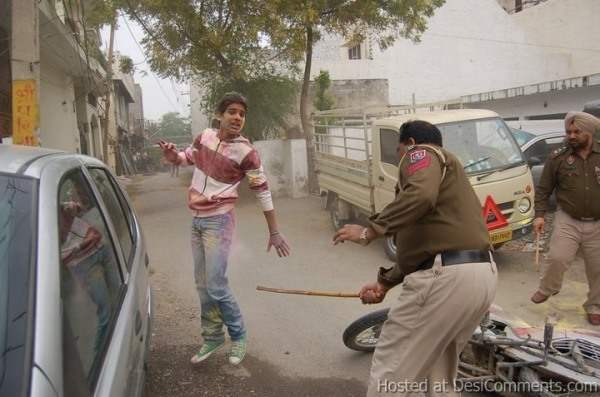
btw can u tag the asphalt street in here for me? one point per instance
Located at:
(295, 342)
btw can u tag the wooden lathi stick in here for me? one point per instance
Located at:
(311, 293)
(537, 251)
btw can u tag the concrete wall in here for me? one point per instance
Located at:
(58, 120)
(471, 46)
(285, 164)
(349, 93)
(136, 112)
(569, 27)
(553, 102)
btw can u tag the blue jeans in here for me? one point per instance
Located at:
(94, 274)
(211, 241)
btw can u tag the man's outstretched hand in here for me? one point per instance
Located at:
(373, 293)
(169, 151)
(348, 233)
(278, 241)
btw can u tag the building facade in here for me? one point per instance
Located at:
(473, 47)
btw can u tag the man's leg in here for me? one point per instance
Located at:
(91, 271)
(564, 243)
(444, 371)
(217, 237)
(428, 325)
(210, 315)
(590, 247)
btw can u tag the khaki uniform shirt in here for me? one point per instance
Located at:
(576, 181)
(434, 211)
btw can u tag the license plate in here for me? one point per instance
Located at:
(500, 237)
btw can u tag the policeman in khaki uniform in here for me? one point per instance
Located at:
(447, 273)
(573, 171)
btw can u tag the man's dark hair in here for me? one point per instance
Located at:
(421, 131)
(228, 99)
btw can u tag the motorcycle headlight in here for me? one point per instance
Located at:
(524, 205)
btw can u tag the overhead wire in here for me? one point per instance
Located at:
(146, 60)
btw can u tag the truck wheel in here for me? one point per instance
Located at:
(340, 213)
(389, 246)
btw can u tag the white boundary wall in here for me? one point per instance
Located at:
(285, 164)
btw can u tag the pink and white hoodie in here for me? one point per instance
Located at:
(220, 167)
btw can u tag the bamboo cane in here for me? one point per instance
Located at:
(311, 293)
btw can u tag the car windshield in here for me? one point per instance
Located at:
(481, 145)
(17, 217)
(521, 136)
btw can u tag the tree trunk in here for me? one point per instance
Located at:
(109, 84)
(305, 116)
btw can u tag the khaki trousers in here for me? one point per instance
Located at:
(568, 236)
(436, 313)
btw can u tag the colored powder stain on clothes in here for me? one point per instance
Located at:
(214, 315)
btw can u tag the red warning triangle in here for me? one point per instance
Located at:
(492, 215)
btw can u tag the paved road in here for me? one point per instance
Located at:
(295, 345)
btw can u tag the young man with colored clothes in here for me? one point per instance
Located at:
(222, 158)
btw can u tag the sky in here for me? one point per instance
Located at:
(159, 95)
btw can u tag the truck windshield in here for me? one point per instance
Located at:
(481, 145)
(17, 232)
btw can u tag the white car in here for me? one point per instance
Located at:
(75, 300)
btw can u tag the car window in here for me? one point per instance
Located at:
(91, 283)
(522, 137)
(543, 148)
(17, 259)
(389, 146)
(555, 143)
(119, 216)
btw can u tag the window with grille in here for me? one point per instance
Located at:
(354, 52)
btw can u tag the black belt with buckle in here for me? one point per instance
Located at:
(450, 258)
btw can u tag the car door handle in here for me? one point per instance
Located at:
(381, 178)
(138, 322)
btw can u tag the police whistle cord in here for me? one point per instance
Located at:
(311, 293)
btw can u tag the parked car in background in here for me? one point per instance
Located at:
(75, 300)
(537, 147)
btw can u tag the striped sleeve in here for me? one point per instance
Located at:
(186, 156)
(257, 180)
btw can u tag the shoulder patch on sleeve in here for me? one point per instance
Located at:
(419, 159)
(417, 155)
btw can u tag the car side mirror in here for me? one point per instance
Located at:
(533, 161)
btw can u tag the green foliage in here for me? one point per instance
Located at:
(174, 128)
(99, 13)
(125, 64)
(382, 20)
(241, 44)
(323, 101)
(270, 101)
(227, 38)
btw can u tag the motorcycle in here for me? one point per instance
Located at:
(511, 358)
